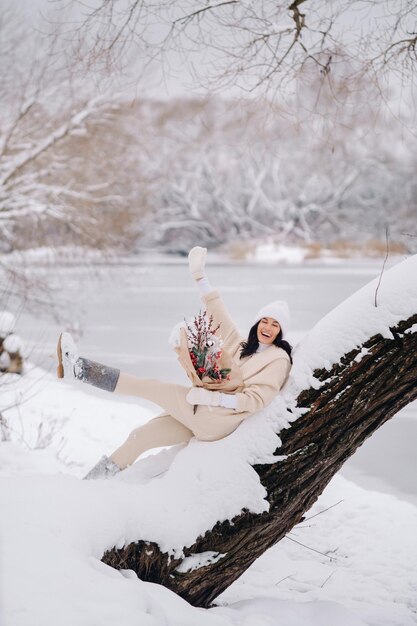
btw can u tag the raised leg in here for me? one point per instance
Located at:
(169, 396)
(160, 431)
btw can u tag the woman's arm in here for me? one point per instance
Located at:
(214, 304)
(256, 396)
(228, 332)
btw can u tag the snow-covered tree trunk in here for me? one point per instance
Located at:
(336, 407)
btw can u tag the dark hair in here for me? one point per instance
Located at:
(251, 345)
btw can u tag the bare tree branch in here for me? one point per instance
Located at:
(260, 38)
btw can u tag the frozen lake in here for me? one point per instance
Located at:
(126, 312)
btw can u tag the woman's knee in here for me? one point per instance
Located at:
(149, 428)
(134, 434)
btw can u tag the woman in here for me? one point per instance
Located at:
(264, 361)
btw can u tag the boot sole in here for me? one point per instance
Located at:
(60, 368)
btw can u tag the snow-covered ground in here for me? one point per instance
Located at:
(352, 562)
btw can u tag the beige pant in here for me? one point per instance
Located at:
(165, 430)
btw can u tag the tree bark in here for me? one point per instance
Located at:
(358, 395)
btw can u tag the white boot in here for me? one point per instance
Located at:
(71, 365)
(105, 468)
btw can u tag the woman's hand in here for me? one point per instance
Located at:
(197, 262)
(198, 395)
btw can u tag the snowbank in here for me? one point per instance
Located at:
(354, 321)
(355, 570)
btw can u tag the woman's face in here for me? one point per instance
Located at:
(268, 330)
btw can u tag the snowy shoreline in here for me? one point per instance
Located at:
(264, 254)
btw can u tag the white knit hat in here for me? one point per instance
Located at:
(278, 310)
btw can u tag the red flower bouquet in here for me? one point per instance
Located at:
(204, 359)
(205, 348)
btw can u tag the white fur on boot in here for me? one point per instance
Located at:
(67, 356)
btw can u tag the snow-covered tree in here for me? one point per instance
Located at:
(46, 191)
(105, 170)
(352, 372)
(226, 172)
